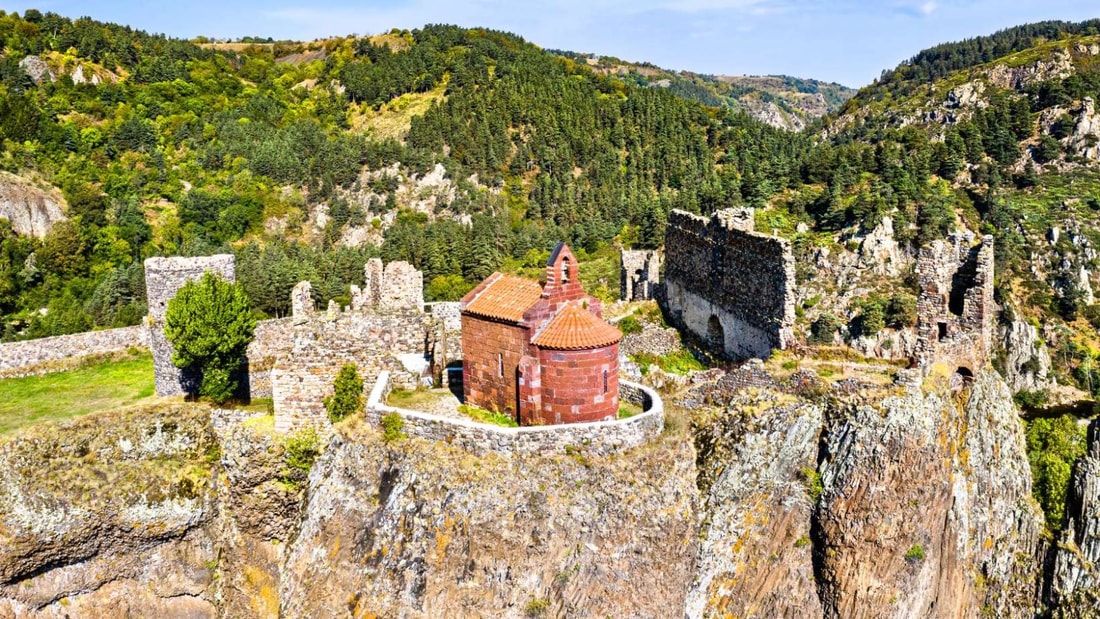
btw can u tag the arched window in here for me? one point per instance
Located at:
(564, 270)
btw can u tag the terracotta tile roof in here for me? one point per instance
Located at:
(507, 298)
(575, 328)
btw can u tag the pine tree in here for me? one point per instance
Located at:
(210, 324)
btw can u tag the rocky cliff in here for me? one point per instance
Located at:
(1074, 586)
(815, 501)
(30, 209)
(899, 505)
(158, 512)
(926, 508)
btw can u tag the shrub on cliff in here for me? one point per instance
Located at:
(210, 324)
(1053, 445)
(347, 399)
(393, 428)
(823, 330)
(300, 451)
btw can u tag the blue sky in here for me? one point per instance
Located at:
(848, 41)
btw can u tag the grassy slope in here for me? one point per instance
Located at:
(108, 385)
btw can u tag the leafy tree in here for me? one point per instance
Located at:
(823, 330)
(210, 325)
(872, 315)
(1053, 445)
(901, 310)
(347, 399)
(447, 288)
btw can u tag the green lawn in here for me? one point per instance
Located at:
(107, 385)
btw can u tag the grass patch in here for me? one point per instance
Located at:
(680, 362)
(259, 405)
(394, 118)
(414, 398)
(486, 416)
(630, 325)
(628, 409)
(62, 395)
(261, 424)
(811, 481)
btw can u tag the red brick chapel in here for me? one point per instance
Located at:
(542, 353)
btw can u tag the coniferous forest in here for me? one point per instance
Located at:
(187, 148)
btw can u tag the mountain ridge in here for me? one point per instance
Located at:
(781, 101)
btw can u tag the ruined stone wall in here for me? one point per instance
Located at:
(301, 300)
(51, 354)
(449, 313)
(397, 286)
(731, 287)
(271, 340)
(163, 279)
(640, 274)
(604, 437)
(374, 341)
(955, 308)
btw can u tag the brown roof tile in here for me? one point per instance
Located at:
(575, 328)
(507, 298)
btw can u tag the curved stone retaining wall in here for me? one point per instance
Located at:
(40, 356)
(603, 437)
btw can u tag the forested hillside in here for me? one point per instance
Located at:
(180, 149)
(996, 135)
(778, 100)
(464, 151)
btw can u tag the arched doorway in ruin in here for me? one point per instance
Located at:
(716, 336)
(963, 377)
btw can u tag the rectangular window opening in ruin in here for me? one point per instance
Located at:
(942, 331)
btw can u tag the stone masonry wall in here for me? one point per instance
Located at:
(640, 274)
(163, 279)
(579, 385)
(397, 286)
(375, 342)
(604, 437)
(491, 354)
(40, 356)
(272, 339)
(955, 308)
(730, 286)
(449, 313)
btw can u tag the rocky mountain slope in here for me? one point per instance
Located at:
(781, 101)
(31, 210)
(801, 501)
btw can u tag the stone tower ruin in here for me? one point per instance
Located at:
(955, 308)
(640, 275)
(398, 286)
(163, 279)
(730, 286)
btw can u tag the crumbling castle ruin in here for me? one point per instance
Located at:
(295, 360)
(955, 308)
(729, 285)
(640, 274)
(163, 279)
